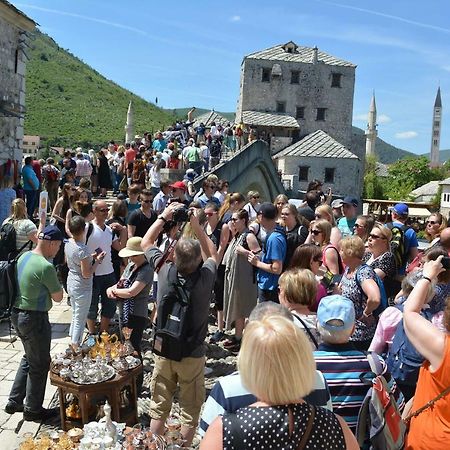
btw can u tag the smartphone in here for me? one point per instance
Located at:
(445, 262)
(98, 250)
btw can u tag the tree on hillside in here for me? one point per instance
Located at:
(407, 175)
(373, 187)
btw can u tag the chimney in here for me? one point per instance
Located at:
(315, 57)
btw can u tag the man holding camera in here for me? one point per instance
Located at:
(188, 373)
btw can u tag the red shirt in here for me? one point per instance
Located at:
(37, 169)
(130, 155)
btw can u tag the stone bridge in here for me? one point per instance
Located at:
(250, 168)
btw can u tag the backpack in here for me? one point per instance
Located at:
(215, 148)
(398, 247)
(171, 334)
(239, 131)
(8, 239)
(403, 360)
(51, 174)
(383, 296)
(379, 419)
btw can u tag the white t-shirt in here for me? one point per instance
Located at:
(101, 239)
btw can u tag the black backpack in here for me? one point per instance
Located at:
(398, 245)
(7, 241)
(172, 338)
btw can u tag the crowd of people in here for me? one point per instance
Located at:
(300, 294)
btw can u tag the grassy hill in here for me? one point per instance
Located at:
(387, 153)
(69, 103)
(444, 155)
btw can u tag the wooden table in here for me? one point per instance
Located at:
(90, 395)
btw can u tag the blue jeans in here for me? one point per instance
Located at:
(31, 199)
(35, 332)
(80, 309)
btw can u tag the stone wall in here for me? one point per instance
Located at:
(347, 173)
(313, 91)
(12, 91)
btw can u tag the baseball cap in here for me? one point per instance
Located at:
(178, 185)
(401, 209)
(338, 309)
(337, 203)
(51, 233)
(349, 200)
(268, 210)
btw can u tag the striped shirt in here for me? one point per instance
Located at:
(23, 228)
(342, 367)
(228, 395)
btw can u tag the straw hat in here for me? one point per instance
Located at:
(133, 248)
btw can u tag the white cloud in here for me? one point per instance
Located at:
(406, 135)
(235, 18)
(383, 118)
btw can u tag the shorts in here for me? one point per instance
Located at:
(189, 375)
(99, 286)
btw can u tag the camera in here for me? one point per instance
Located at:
(181, 215)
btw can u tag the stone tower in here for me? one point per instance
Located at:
(371, 131)
(436, 130)
(129, 127)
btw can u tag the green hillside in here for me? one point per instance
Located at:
(387, 153)
(444, 155)
(68, 103)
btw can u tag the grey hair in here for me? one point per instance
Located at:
(265, 309)
(334, 337)
(188, 255)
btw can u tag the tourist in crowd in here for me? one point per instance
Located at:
(81, 265)
(320, 234)
(188, 180)
(358, 284)
(102, 237)
(209, 189)
(50, 176)
(309, 256)
(280, 201)
(431, 425)
(298, 292)
(179, 193)
(363, 227)
(252, 207)
(84, 168)
(174, 160)
(7, 196)
(240, 287)
(79, 195)
(162, 197)
(30, 186)
(117, 214)
(434, 226)
(307, 210)
(270, 263)
(276, 365)
(296, 229)
(104, 175)
(342, 365)
(222, 190)
(219, 233)
(133, 198)
(326, 212)
(154, 176)
(94, 176)
(231, 204)
(348, 220)
(140, 220)
(228, 394)
(38, 287)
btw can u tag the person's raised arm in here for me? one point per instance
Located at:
(207, 246)
(426, 338)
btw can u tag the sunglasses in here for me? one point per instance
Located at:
(234, 219)
(315, 232)
(103, 210)
(319, 260)
(375, 236)
(432, 222)
(256, 196)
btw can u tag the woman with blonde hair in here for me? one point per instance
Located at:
(280, 202)
(320, 234)
(324, 211)
(252, 207)
(434, 225)
(297, 292)
(276, 365)
(232, 203)
(26, 230)
(296, 228)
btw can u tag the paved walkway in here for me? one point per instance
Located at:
(13, 427)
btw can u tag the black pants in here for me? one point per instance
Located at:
(138, 325)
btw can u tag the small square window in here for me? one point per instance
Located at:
(329, 175)
(281, 107)
(336, 79)
(436, 123)
(435, 142)
(265, 77)
(300, 112)
(295, 77)
(321, 114)
(303, 173)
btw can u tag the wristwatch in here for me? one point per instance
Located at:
(162, 218)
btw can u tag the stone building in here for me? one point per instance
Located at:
(311, 87)
(15, 27)
(31, 145)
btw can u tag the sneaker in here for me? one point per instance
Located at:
(230, 342)
(217, 337)
(91, 340)
(13, 407)
(40, 416)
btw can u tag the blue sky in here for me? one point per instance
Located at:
(189, 53)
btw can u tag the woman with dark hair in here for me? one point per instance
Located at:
(296, 228)
(80, 195)
(104, 174)
(240, 290)
(434, 225)
(363, 226)
(117, 214)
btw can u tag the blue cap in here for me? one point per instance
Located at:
(338, 308)
(350, 200)
(51, 233)
(401, 209)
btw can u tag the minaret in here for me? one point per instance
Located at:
(371, 131)
(129, 127)
(436, 130)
